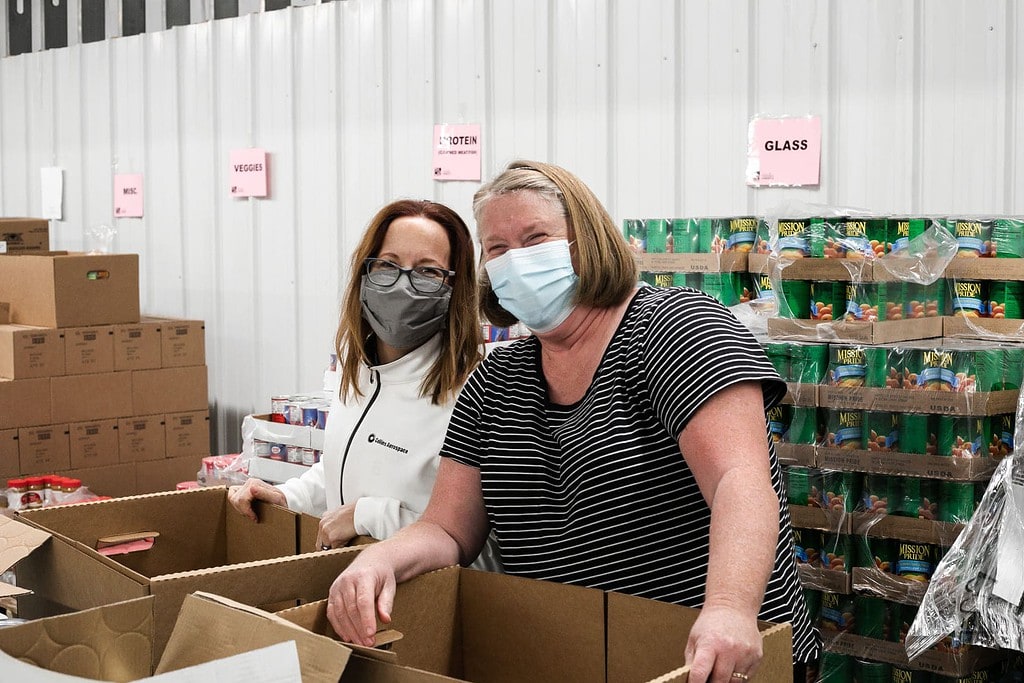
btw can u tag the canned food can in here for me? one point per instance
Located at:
(685, 236)
(278, 451)
(742, 234)
(836, 612)
(322, 413)
(261, 449)
(840, 490)
(657, 235)
(873, 552)
(915, 561)
(635, 233)
(711, 239)
(918, 498)
(963, 437)
(902, 675)
(279, 409)
(916, 434)
(307, 456)
(979, 369)
(779, 419)
(309, 413)
(847, 365)
(925, 301)
(764, 291)
(807, 547)
(1013, 367)
(902, 229)
(871, 617)
(763, 240)
(803, 428)
(845, 429)
(808, 362)
(968, 297)
(864, 237)
(796, 239)
(865, 671)
(723, 286)
(1006, 299)
(293, 454)
(901, 616)
(812, 599)
(828, 300)
(795, 301)
(837, 553)
(936, 371)
(880, 493)
(294, 409)
(1001, 430)
(956, 501)
(973, 236)
(876, 367)
(803, 486)
(1008, 237)
(779, 356)
(691, 280)
(658, 279)
(835, 668)
(881, 431)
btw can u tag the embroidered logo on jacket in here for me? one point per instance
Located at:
(386, 444)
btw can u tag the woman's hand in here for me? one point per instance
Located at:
(360, 594)
(723, 642)
(337, 527)
(241, 497)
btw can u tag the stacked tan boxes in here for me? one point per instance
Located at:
(90, 390)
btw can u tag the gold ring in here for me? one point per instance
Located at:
(742, 677)
(325, 547)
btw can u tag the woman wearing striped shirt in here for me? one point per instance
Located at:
(624, 446)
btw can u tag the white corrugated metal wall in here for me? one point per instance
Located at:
(648, 101)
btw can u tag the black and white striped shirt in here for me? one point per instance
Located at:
(597, 493)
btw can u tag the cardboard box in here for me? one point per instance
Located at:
(27, 352)
(828, 580)
(94, 444)
(187, 434)
(990, 329)
(801, 394)
(137, 346)
(141, 438)
(479, 626)
(182, 343)
(101, 396)
(24, 235)
(962, 663)
(117, 643)
(109, 480)
(68, 290)
(985, 269)
(884, 332)
(906, 464)
(275, 471)
(263, 428)
(89, 349)
(728, 262)
(874, 581)
(203, 544)
(905, 528)
(5, 312)
(44, 450)
(169, 390)
(24, 402)
(9, 463)
(919, 401)
(808, 517)
(802, 454)
(153, 476)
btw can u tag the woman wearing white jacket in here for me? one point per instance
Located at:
(408, 337)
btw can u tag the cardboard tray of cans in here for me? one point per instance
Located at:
(994, 329)
(887, 399)
(905, 528)
(905, 464)
(796, 454)
(821, 579)
(874, 581)
(883, 332)
(960, 663)
(813, 517)
(727, 262)
(801, 394)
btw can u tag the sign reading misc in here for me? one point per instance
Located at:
(784, 151)
(456, 152)
(248, 172)
(128, 201)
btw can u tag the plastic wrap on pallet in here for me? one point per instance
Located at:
(976, 590)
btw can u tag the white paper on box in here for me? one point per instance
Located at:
(1009, 583)
(271, 664)
(52, 186)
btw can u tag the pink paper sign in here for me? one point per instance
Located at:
(248, 173)
(784, 151)
(457, 151)
(128, 195)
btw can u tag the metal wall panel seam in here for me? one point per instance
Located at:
(613, 95)
(150, 221)
(4, 29)
(753, 48)
(1009, 160)
(386, 86)
(551, 113)
(254, 214)
(296, 212)
(217, 322)
(679, 115)
(38, 40)
(917, 183)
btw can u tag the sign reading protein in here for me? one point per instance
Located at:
(456, 151)
(128, 202)
(784, 151)
(248, 172)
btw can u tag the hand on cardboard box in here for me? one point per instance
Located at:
(241, 497)
(724, 645)
(337, 527)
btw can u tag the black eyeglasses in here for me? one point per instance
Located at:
(424, 279)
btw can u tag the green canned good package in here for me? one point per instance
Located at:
(864, 237)
(828, 300)
(1006, 299)
(763, 243)
(901, 616)
(808, 362)
(1013, 367)
(803, 429)
(835, 668)
(779, 419)
(741, 233)
(836, 612)
(963, 436)
(915, 561)
(812, 599)
(658, 241)
(658, 279)
(795, 302)
(800, 237)
(876, 366)
(635, 233)
(881, 431)
(956, 501)
(712, 235)
(968, 297)
(1008, 237)
(871, 617)
(692, 280)
(837, 552)
(901, 675)
(1001, 431)
(936, 371)
(779, 356)
(918, 498)
(847, 365)
(880, 493)
(973, 235)
(725, 287)
(840, 490)
(803, 486)
(978, 369)
(685, 236)
(807, 546)
(902, 229)
(764, 292)
(925, 301)
(865, 671)
(916, 433)
(845, 429)
(873, 552)
(873, 301)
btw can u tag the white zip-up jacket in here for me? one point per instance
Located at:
(380, 449)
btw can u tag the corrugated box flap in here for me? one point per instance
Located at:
(17, 541)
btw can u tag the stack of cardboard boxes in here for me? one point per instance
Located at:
(89, 388)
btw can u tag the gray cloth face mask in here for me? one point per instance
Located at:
(400, 316)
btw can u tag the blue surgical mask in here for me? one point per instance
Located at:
(536, 284)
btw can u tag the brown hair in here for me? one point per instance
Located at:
(605, 265)
(460, 336)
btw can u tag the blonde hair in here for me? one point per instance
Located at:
(606, 268)
(461, 334)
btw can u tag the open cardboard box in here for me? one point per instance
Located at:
(802, 454)
(888, 399)
(991, 329)
(727, 262)
(196, 542)
(881, 332)
(484, 627)
(961, 663)
(906, 464)
(117, 643)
